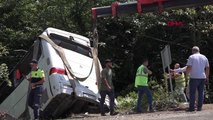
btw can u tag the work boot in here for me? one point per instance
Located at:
(138, 111)
(151, 111)
(103, 114)
(113, 113)
(199, 109)
(190, 110)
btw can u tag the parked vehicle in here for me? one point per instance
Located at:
(60, 94)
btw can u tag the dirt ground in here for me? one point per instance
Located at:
(178, 114)
(205, 114)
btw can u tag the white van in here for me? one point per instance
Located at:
(58, 95)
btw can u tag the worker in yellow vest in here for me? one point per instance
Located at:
(187, 81)
(141, 83)
(36, 79)
(180, 84)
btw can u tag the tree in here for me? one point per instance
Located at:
(149, 33)
(3, 67)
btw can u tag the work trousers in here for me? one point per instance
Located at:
(103, 94)
(188, 94)
(193, 85)
(34, 100)
(141, 91)
(180, 94)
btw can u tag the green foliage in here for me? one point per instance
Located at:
(3, 50)
(130, 38)
(161, 99)
(4, 75)
(128, 102)
(208, 93)
(3, 67)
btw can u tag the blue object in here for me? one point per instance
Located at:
(35, 100)
(199, 85)
(141, 91)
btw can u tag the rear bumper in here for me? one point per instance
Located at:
(65, 87)
(86, 94)
(82, 93)
(70, 100)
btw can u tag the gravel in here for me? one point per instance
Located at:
(205, 114)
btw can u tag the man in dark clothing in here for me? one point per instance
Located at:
(106, 87)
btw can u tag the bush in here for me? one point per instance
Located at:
(128, 102)
(4, 74)
(161, 100)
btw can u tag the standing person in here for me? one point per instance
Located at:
(183, 69)
(141, 83)
(106, 87)
(36, 79)
(180, 84)
(198, 68)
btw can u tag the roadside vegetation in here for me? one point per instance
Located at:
(161, 99)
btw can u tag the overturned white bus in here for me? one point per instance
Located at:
(61, 93)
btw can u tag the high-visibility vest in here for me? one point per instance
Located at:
(180, 80)
(141, 78)
(37, 75)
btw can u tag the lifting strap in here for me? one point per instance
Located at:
(35, 49)
(67, 66)
(95, 52)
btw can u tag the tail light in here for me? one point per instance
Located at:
(58, 71)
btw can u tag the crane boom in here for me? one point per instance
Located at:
(140, 6)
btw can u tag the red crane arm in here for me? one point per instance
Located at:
(140, 6)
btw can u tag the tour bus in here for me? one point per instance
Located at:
(59, 95)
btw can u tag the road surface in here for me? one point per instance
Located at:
(205, 114)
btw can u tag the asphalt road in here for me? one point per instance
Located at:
(205, 114)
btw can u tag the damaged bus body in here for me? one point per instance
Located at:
(61, 93)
